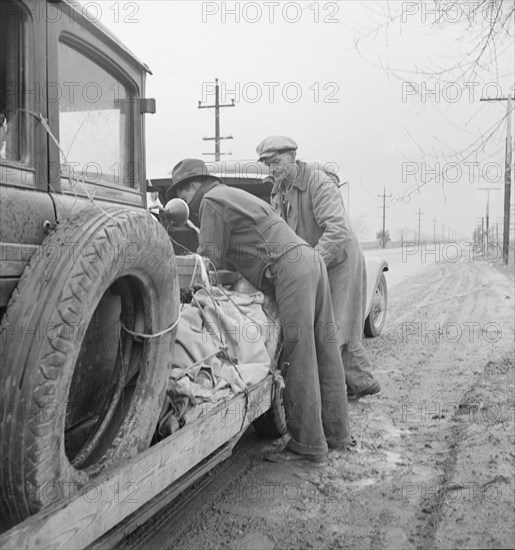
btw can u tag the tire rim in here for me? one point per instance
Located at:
(378, 306)
(106, 374)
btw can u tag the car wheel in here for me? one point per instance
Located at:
(82, 394)
(376, 319)
(272, 424)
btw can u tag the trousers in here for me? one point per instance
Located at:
(315, 395)
(357, 365)
(348, 293)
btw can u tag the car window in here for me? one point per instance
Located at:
(94, 121)
(13, 145)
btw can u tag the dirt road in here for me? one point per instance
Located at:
(433, 467)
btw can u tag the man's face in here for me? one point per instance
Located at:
(282, 166)
(187, 191)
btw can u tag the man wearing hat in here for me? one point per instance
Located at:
(311, 203)
(241, 230)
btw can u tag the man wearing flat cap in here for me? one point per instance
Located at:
(310, 202)
(244, 231)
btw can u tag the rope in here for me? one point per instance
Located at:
(194, 298)
(278, 380)
(238, 307)
(204, 359)
(157, 334)
(247, 399)
(231, 300)
(199, 263)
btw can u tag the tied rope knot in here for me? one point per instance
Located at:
(223, 353)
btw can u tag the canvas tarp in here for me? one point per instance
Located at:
(224, 343)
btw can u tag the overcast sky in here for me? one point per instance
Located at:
(295, 68)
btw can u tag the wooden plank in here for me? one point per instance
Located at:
(101, 505)
(141, 516)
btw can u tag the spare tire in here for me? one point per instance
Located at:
(80, 392)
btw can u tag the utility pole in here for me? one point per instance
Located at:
(488, 189)
(419, 216)
(217, 108)
(434, 230)
(443, 232)
(498, 221)
(507, 176)
(383, 235)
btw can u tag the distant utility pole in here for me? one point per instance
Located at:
(443, 232)
(478, 239)
(434, 230)
(488, 189)
(217, 108)
(419, 216)
(507, 176)
(383, 235)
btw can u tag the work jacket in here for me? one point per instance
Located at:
(244, 231)
(313, 207)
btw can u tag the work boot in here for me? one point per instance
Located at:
(286, 455)
(374, 388)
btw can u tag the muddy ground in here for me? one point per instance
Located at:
(433, 467)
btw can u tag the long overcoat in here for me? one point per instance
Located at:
(313, 207)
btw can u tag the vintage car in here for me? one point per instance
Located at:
(91, 296)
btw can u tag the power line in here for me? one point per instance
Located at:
(217, 108)
(507, 177)
(419, 216)
(488, 189)
(383, 234)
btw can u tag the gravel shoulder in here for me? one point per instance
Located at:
(433, 467)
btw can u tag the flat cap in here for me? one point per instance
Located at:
(273, 144)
